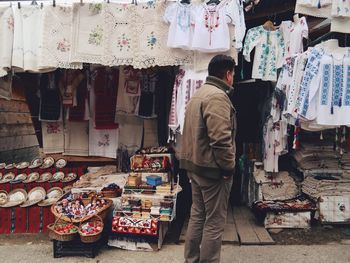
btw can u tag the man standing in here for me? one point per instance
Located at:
(208, 155)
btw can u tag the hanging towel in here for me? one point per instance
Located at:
(50, 104)
(129, 91)
(105, 83)
(150, 133)
(56, 38)
(88, 34)
(101, 142)
(53, 138)
(28, 30)
(6, 87)
(6, 39)
(77, 113)
(76, 138)
(130, 132)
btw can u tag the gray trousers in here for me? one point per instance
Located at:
(208, 217)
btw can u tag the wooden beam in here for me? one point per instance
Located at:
(15, 118)
(71, 158)
(17, 142)
(10, 130)
(13, 106)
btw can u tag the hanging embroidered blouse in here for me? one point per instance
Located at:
(318, 8)
(6, 39)
(180, 17)
(341, 16)
(211, 32)
(310, 74)
(334, 90)
(293, 34)
(269, 52)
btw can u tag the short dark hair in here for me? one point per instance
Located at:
(219, 65)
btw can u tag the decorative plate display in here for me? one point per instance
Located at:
(36, 195)
(48, 162)
(10, 166)
(15, 197)
(36, 163)
(7, 178)
(19, 178)
(32, 177)
(57, 177)
(2, 165)
(3, 197)
(52, 196)
(22, 165)
(44, 177)
(69, 177)
(60, 163)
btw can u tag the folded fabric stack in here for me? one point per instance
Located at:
(313, 156)
(325, 185)
(280, 186)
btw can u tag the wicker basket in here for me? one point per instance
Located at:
(53, 234)
(86, 238)
(102, 212)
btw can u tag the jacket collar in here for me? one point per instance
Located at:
(219, 83)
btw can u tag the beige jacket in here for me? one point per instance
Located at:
(208, 141)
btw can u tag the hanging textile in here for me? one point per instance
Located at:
(147, 98)
(6, 39)
(53, 137)
(121, 39)
(129, 91)
(70, 80)
(105, 84)
(101, 142)
(150, 134)
(293, 34)
(50, 104)
(180, 17)
(269, 52)
(56, 39)
(201, 60)
(151, 43)
(340, 16)
(78, 111)
(130, 133)
(187, 82)
(89, 33)
(318, 8)
(76, 138)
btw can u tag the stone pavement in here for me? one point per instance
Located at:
(41, 252)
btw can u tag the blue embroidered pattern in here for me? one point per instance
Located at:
(311, 71)
(347, 90)
(325, 85)
(338, 85)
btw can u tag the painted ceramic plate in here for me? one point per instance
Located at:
(44, 177)
(0, 176)
(10, 166)
(60, 163)
(3, 197)
(67, 189)
(69, 177)
(7, 178)
(57, 177)
(2, 165)
(32, 177)
(36, 163)
(19, 178)
(22, 165)
(48, 162)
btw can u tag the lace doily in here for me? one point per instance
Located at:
(56, 41)
(88, 37)
(119, 37)
(151, 38)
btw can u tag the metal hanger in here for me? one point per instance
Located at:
(34, 2)
(54, 3)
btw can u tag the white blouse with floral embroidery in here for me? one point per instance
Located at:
(6, 39)
(269, 52)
